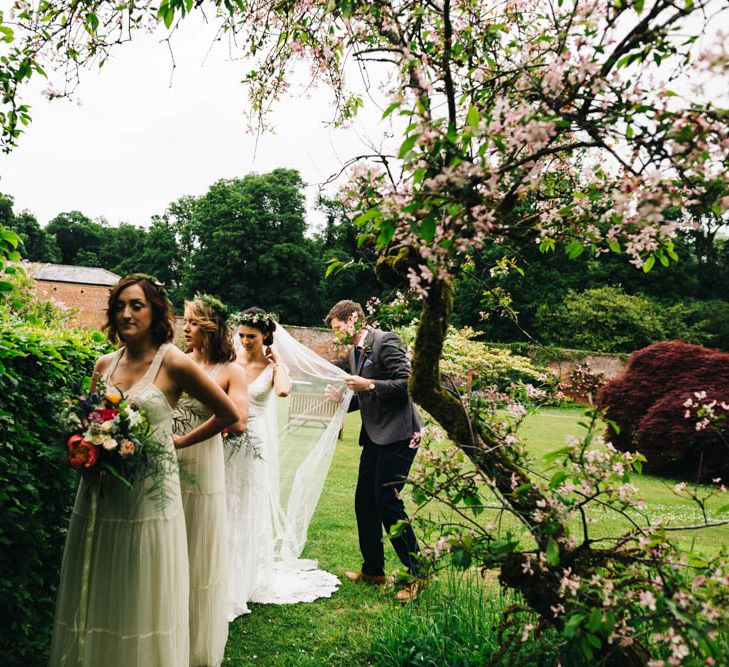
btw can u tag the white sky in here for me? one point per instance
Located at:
(134, 144)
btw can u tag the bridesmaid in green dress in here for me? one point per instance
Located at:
(210, 345)
(123, 596)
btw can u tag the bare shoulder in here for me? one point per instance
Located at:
(234, 371)
(103, 362)
(175, 360)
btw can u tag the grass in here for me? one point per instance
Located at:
(352, 627)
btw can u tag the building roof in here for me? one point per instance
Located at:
(63, 273)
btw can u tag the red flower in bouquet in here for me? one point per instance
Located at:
(81, 453)
(103, 415)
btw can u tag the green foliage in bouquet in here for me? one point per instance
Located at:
(38, 366)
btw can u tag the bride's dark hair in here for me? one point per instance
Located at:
(211, 316)
(257, 318)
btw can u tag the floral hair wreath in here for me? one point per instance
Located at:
(155, 281)
(255, 318)
(215, 304)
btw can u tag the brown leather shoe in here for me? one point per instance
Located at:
(374, 579)
(408, 592)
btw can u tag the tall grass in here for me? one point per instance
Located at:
(460, 622)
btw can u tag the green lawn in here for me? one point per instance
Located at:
(338, 631)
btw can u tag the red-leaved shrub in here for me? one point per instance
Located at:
(648, 403)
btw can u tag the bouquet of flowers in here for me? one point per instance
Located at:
(111, 436)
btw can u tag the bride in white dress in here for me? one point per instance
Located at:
(274, 482)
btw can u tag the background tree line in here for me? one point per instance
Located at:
(248, 240)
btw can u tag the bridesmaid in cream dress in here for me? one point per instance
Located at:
(123, 596)
(210, 345)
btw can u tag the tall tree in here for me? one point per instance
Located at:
(78, 237)
(243, 232)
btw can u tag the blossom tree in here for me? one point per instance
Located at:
(569, 123)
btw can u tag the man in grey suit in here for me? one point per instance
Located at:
(380, 371)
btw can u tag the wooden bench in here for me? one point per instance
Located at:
(309, 408)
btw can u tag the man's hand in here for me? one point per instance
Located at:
(333, 394)
(357, 383)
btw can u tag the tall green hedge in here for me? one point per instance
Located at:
(38, 365)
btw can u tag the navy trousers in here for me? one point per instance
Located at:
(383, 470)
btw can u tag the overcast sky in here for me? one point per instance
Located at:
(131, 143)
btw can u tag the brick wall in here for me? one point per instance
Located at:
(88, 300)
(319, 340)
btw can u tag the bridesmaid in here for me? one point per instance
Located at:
(123, 596)
(210, 345)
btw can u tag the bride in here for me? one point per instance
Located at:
(274, 482)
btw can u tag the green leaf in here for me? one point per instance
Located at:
(7, 34)
(427, 229)
(574, 249)
(473, 117)
(387, 231)
(557, 479)
(639, 5)
(722, 509)
(552, 552)
(390, 109)
(5, 287)
(649, 264)
(407, 145)
(362, 218)
(595, 622)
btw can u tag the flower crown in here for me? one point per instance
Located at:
(215, 304)
(255, 318)
(155, 281)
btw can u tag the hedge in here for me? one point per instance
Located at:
(38, 366)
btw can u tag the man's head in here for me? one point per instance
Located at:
(345, 318)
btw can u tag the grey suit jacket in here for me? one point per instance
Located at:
(388, 413)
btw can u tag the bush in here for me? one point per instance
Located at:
(37, 365)
(583, 383)
(648, 402)
(604, 318)
(464, 358)
(609, 320)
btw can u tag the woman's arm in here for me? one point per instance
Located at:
(238, 393)
(189, 377)
(102, 363)
(281, 379)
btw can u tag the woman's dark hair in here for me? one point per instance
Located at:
(257, 318)
(162, 328)
(218, 339)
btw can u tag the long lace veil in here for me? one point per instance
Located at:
(307, 425)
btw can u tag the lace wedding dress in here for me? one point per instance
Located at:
(123, 596)
(274, 484)
(203, 500)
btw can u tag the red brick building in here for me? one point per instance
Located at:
(84, 289)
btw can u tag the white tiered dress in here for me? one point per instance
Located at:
(123, 596)
(203, 499)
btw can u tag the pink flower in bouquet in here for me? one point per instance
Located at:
(126, 448)
(81, 452)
